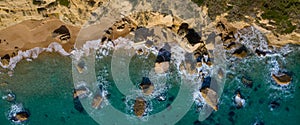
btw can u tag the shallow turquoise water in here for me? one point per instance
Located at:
(45, 87)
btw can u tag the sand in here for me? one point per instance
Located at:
(34, 33)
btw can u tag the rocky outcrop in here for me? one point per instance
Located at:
(162, 61)
(147, 86)
(282, 79)
(18, 114)
(210, 97)
(139, 107)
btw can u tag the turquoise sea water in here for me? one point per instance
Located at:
(44, 86)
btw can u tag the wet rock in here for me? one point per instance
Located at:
(206, 82)
(10, 97)
(5, 60)
(147, 86)
(282, 79)
(241, 52)
(98, 98)
(238, 100)
(81, 92)
(274, 105)
(18, 114)
(197, 123)
(247, 82)
(210, 97)
(163, 56)
(139, 107)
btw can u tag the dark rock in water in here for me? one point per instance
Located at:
(231, 113)
(163, 56)
(255, 89)
(206, 82)
(77, 105)
(287, 109)
(197, 123)
(241, 52)
(247, 82)
(274, 105)
(147, 86)
(260, 53)
(171, 98)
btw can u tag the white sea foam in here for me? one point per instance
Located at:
(33, 54)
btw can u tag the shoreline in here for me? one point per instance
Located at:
(29, 38)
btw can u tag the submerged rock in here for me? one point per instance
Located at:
(241, 52)
(282, 79)
(98, 98)
(81, 92)
(247, 82)
(210, 97)
(147, 86)
(10, 97)
(139, 107)
(273, 105)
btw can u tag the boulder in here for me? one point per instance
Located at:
(21, 116)
(210, 97)
(10, 97)
(162, 67)
(147, 86)
(282, 79)
(139, 107)
(239, 101)
(241, 52)
(97, 100)
(163, 56)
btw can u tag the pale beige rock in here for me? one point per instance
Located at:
(162, 67)
(210, 97)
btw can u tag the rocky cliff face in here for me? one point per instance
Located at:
(74, 12)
